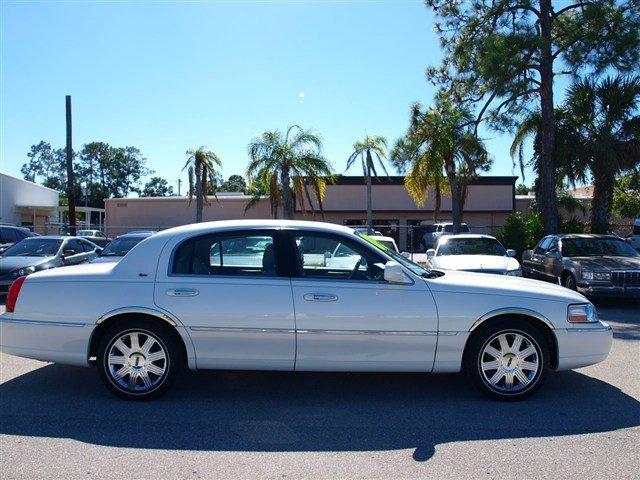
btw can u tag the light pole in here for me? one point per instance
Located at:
(179, 183)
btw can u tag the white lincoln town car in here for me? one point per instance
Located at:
(297, 296)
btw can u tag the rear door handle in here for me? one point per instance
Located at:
(182, 292)
(320, 297)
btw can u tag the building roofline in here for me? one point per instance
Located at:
(30, 182)
(399, 180)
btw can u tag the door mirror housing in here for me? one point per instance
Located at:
(511, 253)
(68, 252)
(406, 255)
(393, 273)
(431, 253)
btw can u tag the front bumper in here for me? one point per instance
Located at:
(584, 345)
(609, 290)
(60, 342)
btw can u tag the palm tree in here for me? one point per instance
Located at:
(423, 171)
(201, 167)
(597, 133)
(440, 143)
(288, 164)
(366, 150)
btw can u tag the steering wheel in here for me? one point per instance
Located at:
(355, 269)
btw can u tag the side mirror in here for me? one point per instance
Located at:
(511, 253)
(431, 253)
(68, 253)
(393, 273)
(406, 255)
(98, 250)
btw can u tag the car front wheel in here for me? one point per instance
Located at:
(138, 360)
(508, 360)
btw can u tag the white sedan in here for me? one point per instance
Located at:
(240, 295)
(473, 253)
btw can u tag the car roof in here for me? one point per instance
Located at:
(585, 235)
(136, 235)
(50, 237)
(251, 224)
(467, 235)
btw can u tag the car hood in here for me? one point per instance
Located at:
(9, 264)
(480, 283)
(607, 263)
(475, 262)
(107, 259)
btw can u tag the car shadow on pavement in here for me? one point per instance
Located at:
(284, 412)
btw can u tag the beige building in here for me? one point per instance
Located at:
(489, 201)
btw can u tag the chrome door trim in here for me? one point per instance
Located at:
(369, 332)
(240, 329)
(42, 323)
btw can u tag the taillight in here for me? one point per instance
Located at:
(14, 290)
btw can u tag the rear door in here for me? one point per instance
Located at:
(231, 293)
(349, 318)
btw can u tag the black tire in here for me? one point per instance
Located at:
(475, 353)
(166, 342)
(570, 282)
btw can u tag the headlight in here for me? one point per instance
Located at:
(515, 273)
(22, 272)
(585, 313)
(587, 275)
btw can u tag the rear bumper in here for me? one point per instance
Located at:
(580, 347)
(60, 342)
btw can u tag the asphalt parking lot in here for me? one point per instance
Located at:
(59, 422)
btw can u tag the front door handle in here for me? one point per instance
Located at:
(182, 292)
(320, 297)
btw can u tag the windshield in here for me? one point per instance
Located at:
(414, 267)
(596, 247)
(120, 246)
(34, 247)
(470, 246)
(86, 233)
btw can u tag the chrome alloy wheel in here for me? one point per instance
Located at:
(137, 361)
(510, 361)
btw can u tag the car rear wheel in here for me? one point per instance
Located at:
(139, 360)
(508, 360)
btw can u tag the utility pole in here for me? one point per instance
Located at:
(70, 180)
(179, 183)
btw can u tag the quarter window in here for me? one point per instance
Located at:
(335, 258)
(233, 254)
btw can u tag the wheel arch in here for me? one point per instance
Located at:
(534, 318)
(130, 313)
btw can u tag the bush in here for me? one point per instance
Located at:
(521, 232)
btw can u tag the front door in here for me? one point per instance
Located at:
(349, 318)
(228, 291)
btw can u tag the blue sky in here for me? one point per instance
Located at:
(168, 76)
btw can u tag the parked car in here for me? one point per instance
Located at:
(178, 300)
(41, 253)
(119, 247)
(634, 238)
(10, 234)
(388, 242)
(94, 236)
(365, 231)
(474, 253)
(430, 238)
(590, 264)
